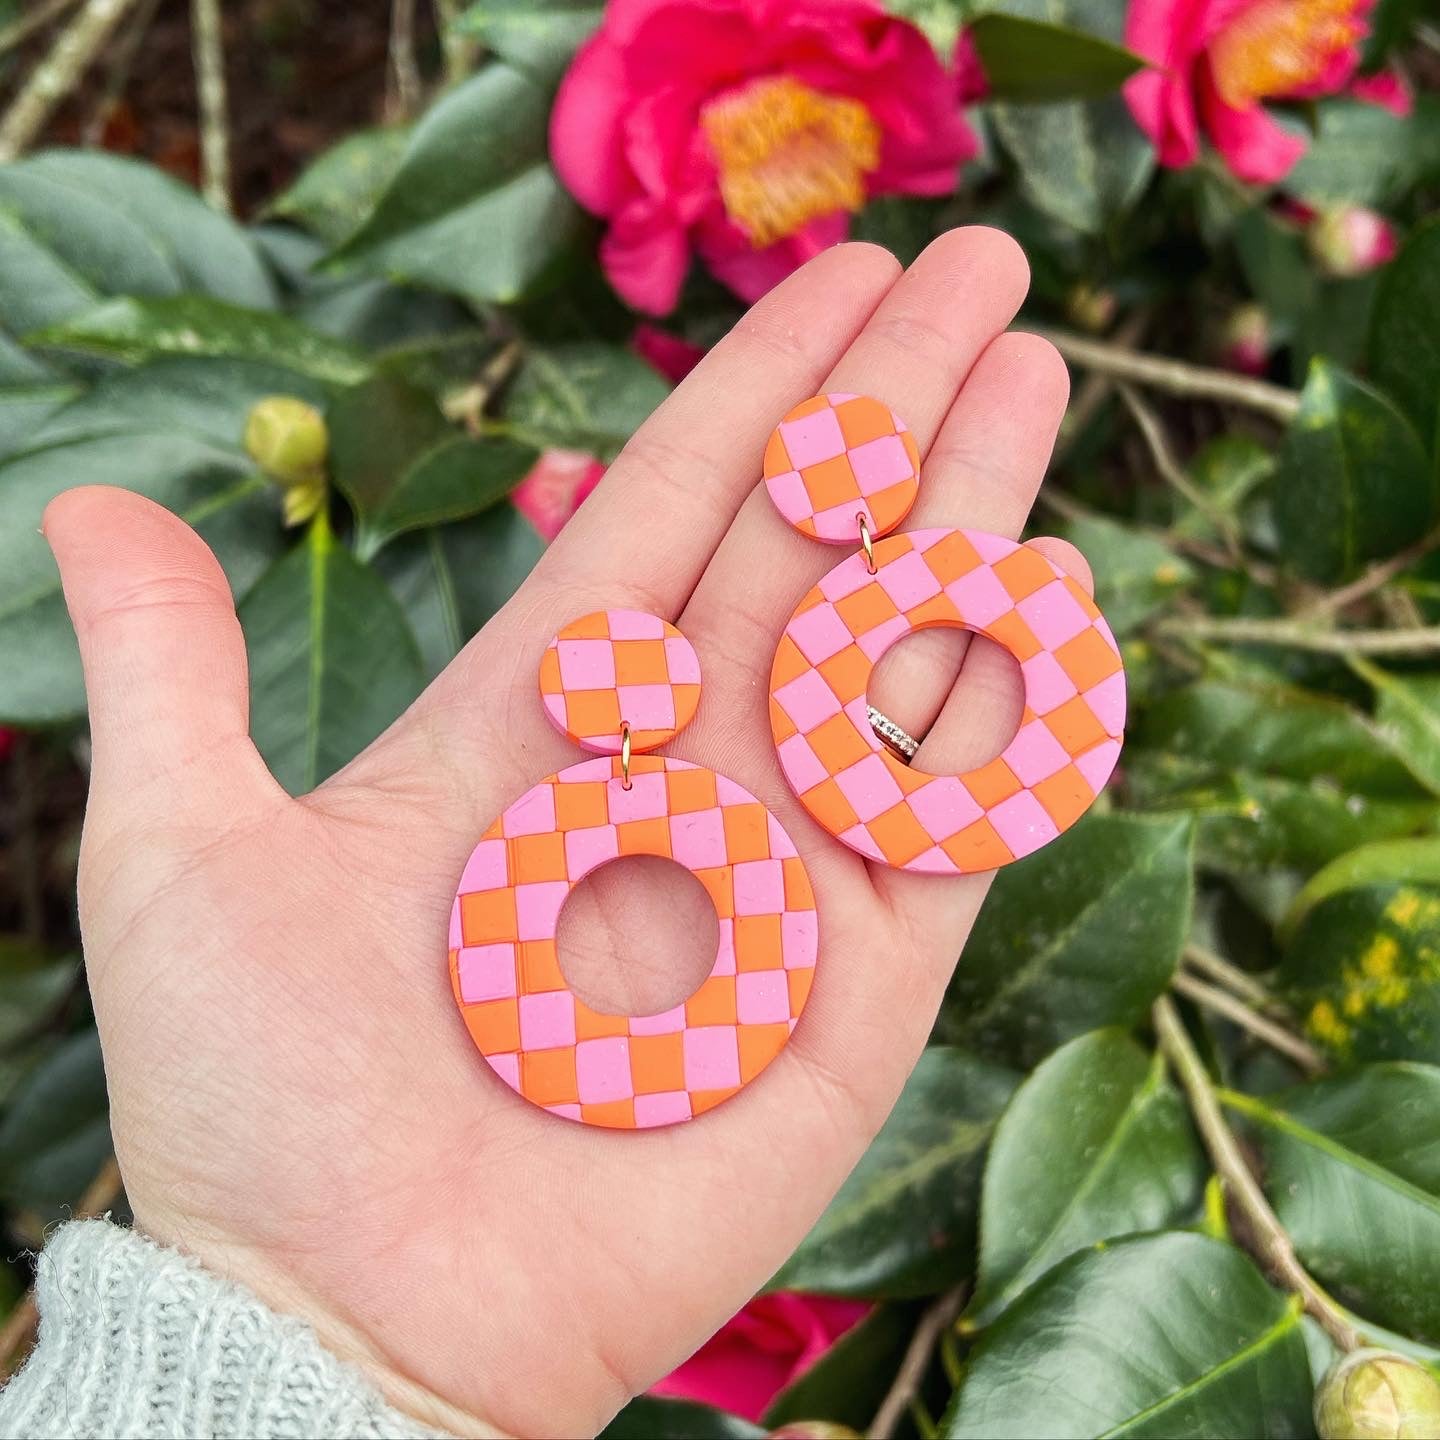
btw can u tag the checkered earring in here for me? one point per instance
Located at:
(845, 469)
(620, 683)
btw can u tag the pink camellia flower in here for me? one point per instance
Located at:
(755, 1355)
(1245, 342)
(673, 356)
(1349, 240)
(555, 487)
(972, 84)
(749, 131)
(8, 740)
(1217, 62)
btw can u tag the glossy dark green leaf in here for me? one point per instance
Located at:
(649, 1418)
(1084, 933)
(904, 1221)
(474, 207)
(138, 330)
(1136, 574)
(1176, 1337)
(1030, 60)
(1354, 484)
(1277, 268)
(450, 579)
(1407, 709)
(332, 660)
(1352, 1167)
(334, 194)
(1229, 470)
(539, 37)
(1096, 1143)
(1405, 331)
(1361, 154)
(33, 988)
(55, 1132)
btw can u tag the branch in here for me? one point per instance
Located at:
(1300, 635)
(1239, 1013)
(459, 50)
(1268, 1236)
(56, 75)
(913, 1367)
(1174, 377)
(403, 90)
(1232, 977)
(121, 62)
(36, 18)
(207, 45)
(1372, 580)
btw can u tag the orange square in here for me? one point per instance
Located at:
(539, 967)
(550, 682)
(488, 917)
(831, 482)
(592, 712)
(847, 673)
(719, 885)
(992, 783)
(906, 777)
(759, 1045)
(596, 1024)
(713, 1003)
(977, 847)
(547, 1077)
(1065, 796)
(595, 626)
(900, 836)
(1015, 635)
(837, 743)
(782, 727)
(610, 1114)
(777, 458)
(937, 610)
(1075, 725)
(798, 892)
(689, 790)
(703, 1100)
(747, 832)
(799, 982)
(581, 806)
(687, 701)
(1023, 572)
(1088, 659)
(494, 1025)
(865, 608)
(657, 1063)
(537, 857)
(757, 942)
(952, 557)
(644, 837)
(496, 830)
(789, 662)
(455, 976)
(863, 419)
(827, 803)
(640, 662)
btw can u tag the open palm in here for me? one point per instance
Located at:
(295, 1099)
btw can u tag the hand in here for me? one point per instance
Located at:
(295, 1099)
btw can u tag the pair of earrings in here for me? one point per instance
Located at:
(841, 469)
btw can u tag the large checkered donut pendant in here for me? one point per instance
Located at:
(621, 682)
(1041, 783)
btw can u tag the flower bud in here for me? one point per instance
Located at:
(287, 438)
(1377, 1395)
(1245, 340)
(814, 1430)
(1349, 240)
(1091, 309)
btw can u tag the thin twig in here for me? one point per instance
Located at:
(1175, 377)
(56, 75)
(1095, 389)
(122, 61)
(1239, 1013)
(1232, 977)
(458, 49)
(403, 96)
(207, 46)
(1240, 630)
(913, 1367)
(17, 32)
(1269, 1238)
(1372, 580)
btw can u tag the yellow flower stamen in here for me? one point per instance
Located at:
(1278, 47)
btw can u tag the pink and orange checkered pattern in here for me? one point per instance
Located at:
(836, 457)
(1044, 780)
(629, 1072)
(620, 665)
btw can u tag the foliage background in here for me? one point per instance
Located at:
(1241, 942)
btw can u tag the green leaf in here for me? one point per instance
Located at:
(1173, 1336)
(474, 207)
(903, 1224)
(1353, 484)
(1353, 1171)
(55, 1133)
(1278, 268)
(403, 466)
(1136, 574)
(450, 579)
(334, 193)
(136, 330)
(1096, 1143)
(1084, 933)
(1405, 331)
(1229, 470)
(1407, 708)
(539, 37)
(1034, 60)
(332, 660)
(1362, 154)
(33, 987)
(650, 1418)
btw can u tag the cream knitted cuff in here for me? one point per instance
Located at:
(140, 1341)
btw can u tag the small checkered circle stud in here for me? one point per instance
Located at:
(837, 458)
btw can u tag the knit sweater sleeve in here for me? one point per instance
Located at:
(136, 1340)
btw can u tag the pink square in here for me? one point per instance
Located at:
(979, 596)
(602, 1070)
(532, 814)
(647, 707)
(879, 638)
(663, 1022)
(584, 770)
(1107, 700)
(682, 664)
(1022, 823)
(729, 792)
(989, 547)
(845, 579)
(869, 787)
(782, 847)
(881, 462)
(1046, 683)
(808, 700)
(725, 951)
(487, 972)
(712, 1057)
(762, 997)
(457, 933)
(944, 806)
(537, 908)
(840, 522)
(586, 664)
(791, 497)
(813, 438)
(819, 632)
(644, 800)
(568, 1112)
(857, 837)
(1054, 614)
(908, 580)
(799, 939)
(547, 1020)
(1097, 763)
(799, 762)
(697, 840)
(486, 868)
(666, 1108)
(634, 625)
(585, 849)
(507, 1067)
(759, 887)
(1035, 754)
